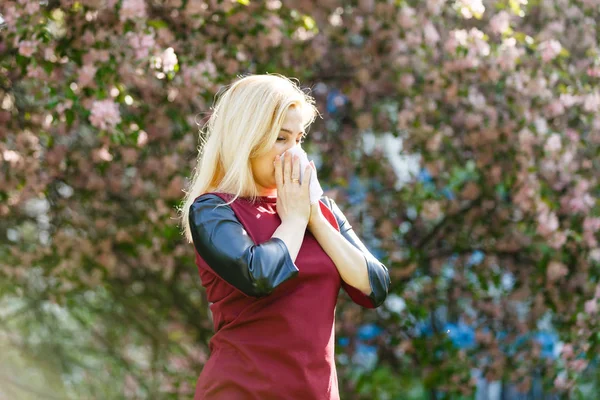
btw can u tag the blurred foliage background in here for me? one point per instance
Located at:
(461, 139)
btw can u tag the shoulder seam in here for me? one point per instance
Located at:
(209, 196)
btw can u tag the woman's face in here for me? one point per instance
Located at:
(291, 134)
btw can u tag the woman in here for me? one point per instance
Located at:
(272, 263)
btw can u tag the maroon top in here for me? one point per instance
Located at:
(281, 345)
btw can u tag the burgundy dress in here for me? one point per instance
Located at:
(281, 345)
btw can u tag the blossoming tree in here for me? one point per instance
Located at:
(469, 130)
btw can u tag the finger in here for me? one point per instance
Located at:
(287, 167)
(313, 164)
(278, 172)
(307, 176)
(296, 168)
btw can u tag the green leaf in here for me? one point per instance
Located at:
(157, 23)
(309, 22)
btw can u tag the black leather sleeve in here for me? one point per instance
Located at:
(379, 276)
(221, 240)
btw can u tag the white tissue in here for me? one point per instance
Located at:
(315, 191)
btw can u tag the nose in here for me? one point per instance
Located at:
(289, 147)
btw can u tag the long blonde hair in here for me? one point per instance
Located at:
(244, 124)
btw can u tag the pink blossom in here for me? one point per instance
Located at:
(471, 8)
(518, 80)
(32, 7)
(27, 48)
(554, 29)
(555, 108)
(451, 44)
(567, 351)
(473, 120)
(500, 22)
(366, 5)
(591, 306)
(573, 13)
(549, 49)
(406, 17)
(168, 60)
(12, 157)
(553, 143)
(579, 199)
(195, 7)
(88, 38)
(407, 80)
(413, 39)
(556, 270)
(591, 102)
(36, 72)
(538, 87)
(132, 9)
(561, 382)
(131, 386)
(457, 37)
(105, 114)
(541, 125)
(557, 240)
(431, 210)
(10, 15)
(65, 105)
(50, 55)
(478, 43)
(102, 154)
(435, 6)
(569, 100)
(200, 74)
(595, 254)
(274, 37)
(578, 365)
(547, 223)
(101, 4)
(96, 55)
(508, 54)
(580, 203)
(526, 138)
(548, 167)
(591, 224)
(591, 3)
(476, 98)
(430, 34)
(141, 43)
(86, 75)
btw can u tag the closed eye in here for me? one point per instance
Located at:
(301, 140)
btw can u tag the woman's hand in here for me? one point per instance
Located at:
(293, 202)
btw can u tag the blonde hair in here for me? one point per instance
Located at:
(244, 124)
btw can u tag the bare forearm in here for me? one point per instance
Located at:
(292, 233)
(349, 260)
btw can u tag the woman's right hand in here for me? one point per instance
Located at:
(293, 200)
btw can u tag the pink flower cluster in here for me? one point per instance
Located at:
(105, 114)
(141, 43)
(133, 9)
(549, 49)
(27, 47)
